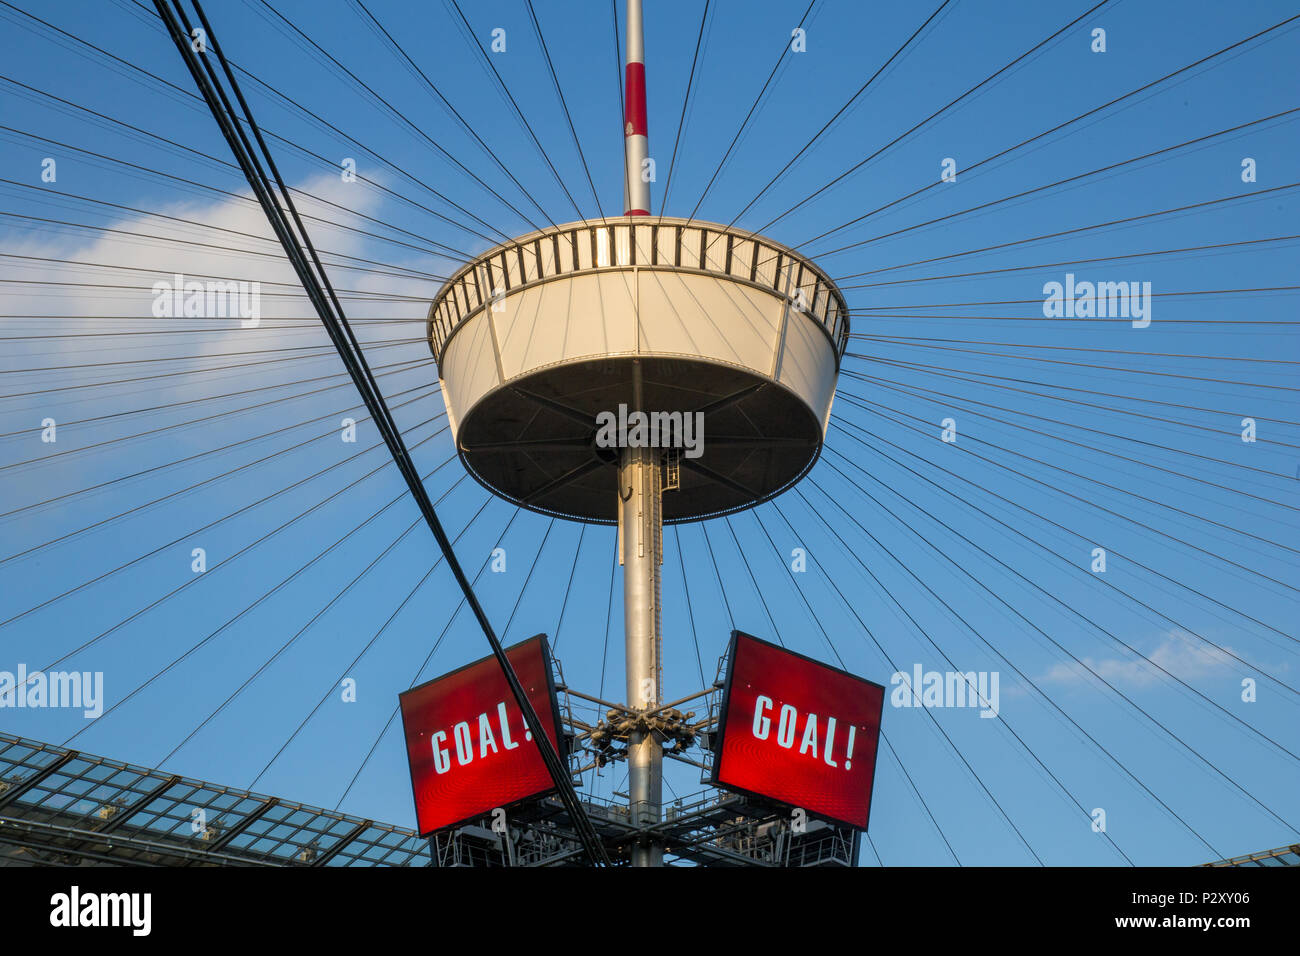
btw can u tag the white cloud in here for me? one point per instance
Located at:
(70, 311)
(1178, 653)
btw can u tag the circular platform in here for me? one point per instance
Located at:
(538, 337)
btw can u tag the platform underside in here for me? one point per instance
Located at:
(533, 440)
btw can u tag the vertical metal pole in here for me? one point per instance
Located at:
(640, 512)
(636, 143)
(641, 530)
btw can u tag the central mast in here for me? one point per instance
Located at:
(636, 143)
(658, 323)
(640, 506)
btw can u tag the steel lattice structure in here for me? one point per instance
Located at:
(62, 807)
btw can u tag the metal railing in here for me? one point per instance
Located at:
(626, 243)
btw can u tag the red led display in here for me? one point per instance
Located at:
(798, 732)
(466, 741)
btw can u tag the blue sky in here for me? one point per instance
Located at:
(918, 537)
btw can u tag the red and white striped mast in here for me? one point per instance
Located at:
(636, 144)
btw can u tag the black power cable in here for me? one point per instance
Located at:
(722, 588)
(1177, 250)
(785, 46)
(915, 340)
(1217, 647)
(164, 86)
(399, 114)
(468, 127)
(420, 671)
(329, 690)
(469, 30)
(1019, 145)
(297, 247)
(880, 311)
(686, 102)
(1235, 197)
(955, 374)
(840, 112)
(1084, 617)
(910, 366)
(1023, 676)
(559, 91)
(212, 524)
(942, 653)
(1110, 167)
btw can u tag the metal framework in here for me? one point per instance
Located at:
(60, 807)
(709, 828)
(1282, 856)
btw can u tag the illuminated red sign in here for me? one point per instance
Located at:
(466, 741)
(798, 732)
